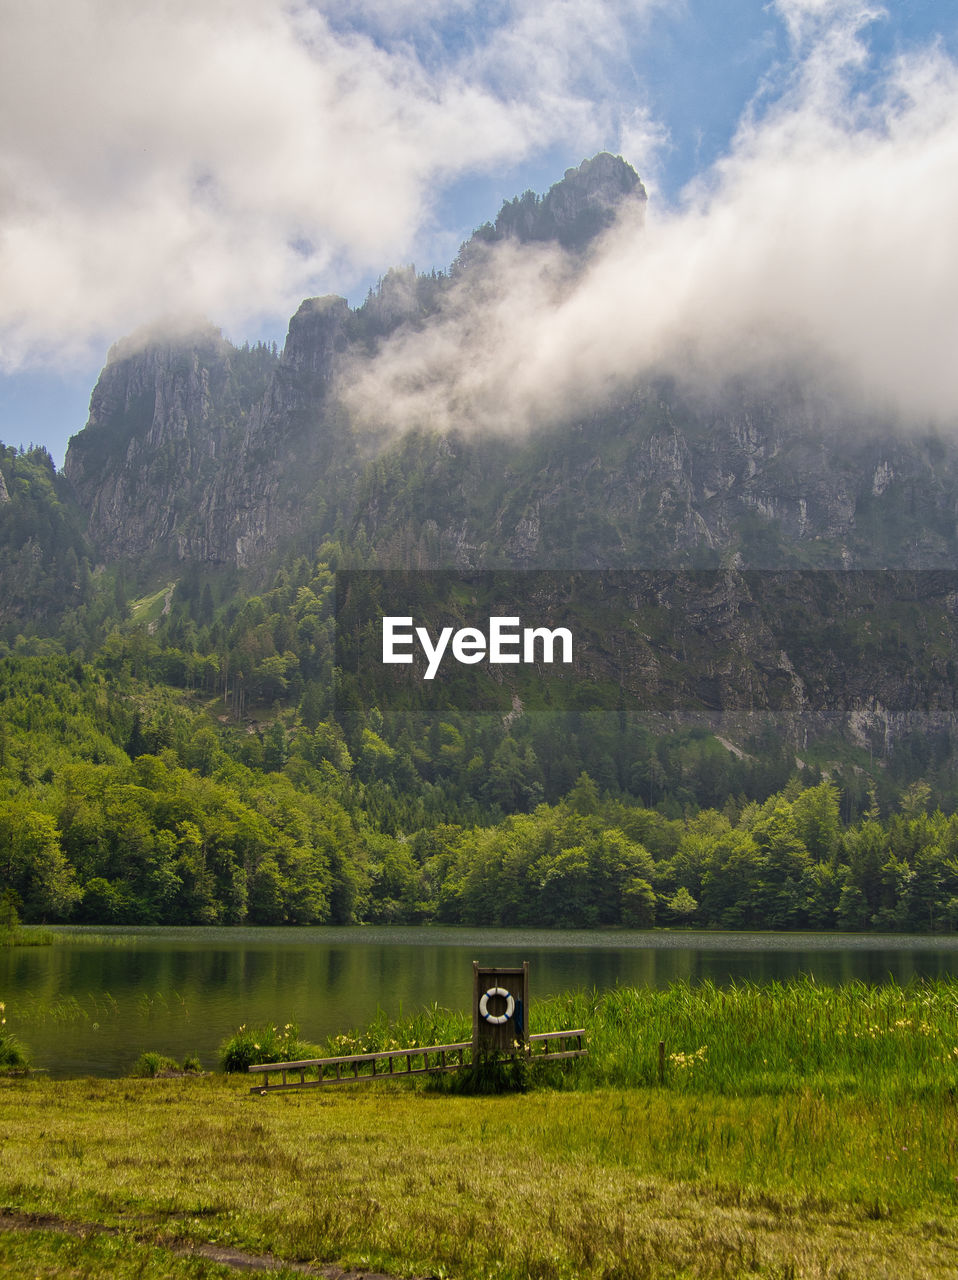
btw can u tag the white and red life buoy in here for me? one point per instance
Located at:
(497, 1019)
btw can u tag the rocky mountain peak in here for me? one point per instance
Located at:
(315, 335)
(576, 209)
(167, 410)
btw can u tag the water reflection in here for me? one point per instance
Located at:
(84, 1007)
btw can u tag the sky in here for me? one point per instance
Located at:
(227, 158)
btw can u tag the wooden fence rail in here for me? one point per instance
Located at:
(428, 1059)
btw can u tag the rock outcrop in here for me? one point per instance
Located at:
(196, 449)
(575, 210)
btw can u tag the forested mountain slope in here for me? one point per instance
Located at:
(174, 746)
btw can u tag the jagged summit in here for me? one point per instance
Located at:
(172, 332)
(315, 334)
(576, 209)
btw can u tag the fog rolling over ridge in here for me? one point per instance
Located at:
(533, 407)
(762, 373)
(820, 250)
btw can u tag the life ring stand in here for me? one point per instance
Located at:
(497, 1019)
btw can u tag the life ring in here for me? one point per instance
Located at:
(497, 1020)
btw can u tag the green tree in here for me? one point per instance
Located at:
(35, 869)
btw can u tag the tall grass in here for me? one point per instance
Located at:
(21, 936)
(13, 1056)
(63, 934)
(799, 1132)
(774, 1038)
(94, 1007)
(586, 1184)
(743, 1040)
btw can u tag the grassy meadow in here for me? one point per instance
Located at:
(798, 1131)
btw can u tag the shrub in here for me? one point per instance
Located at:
(152, 1064)
(250, 1045)
(13, 1056)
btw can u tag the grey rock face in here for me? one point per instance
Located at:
(195, 449)
(657, 482)
(315, 336)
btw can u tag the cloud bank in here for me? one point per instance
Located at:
(822, 244)
(230, 156)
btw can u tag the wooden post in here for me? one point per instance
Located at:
(489, 1034)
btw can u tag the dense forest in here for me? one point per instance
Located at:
(182, 757)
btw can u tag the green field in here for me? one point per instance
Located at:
(799, 1132)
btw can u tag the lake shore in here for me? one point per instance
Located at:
(796, 1131)
(92, 1003)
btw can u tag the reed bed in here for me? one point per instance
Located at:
(94, 1007)
(773, 1038)
(63, 934)
(26, 937)
(13, 1056)
(98, 1008)
(743, 1040)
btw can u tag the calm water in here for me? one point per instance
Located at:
(89, 1008)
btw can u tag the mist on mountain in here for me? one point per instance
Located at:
(819, 254)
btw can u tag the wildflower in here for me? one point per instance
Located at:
(688, 1059)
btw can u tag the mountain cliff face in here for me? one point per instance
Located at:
(655, 482)
(196, 450)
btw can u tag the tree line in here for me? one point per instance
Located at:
(118, 809)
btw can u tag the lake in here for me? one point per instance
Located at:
(91, 1006)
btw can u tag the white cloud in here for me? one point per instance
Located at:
(644, 140)
(823, 242)
(229, 156)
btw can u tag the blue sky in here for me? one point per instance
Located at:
(227, 159)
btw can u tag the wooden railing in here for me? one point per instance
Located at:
(545, 1038)
(362, 1067)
